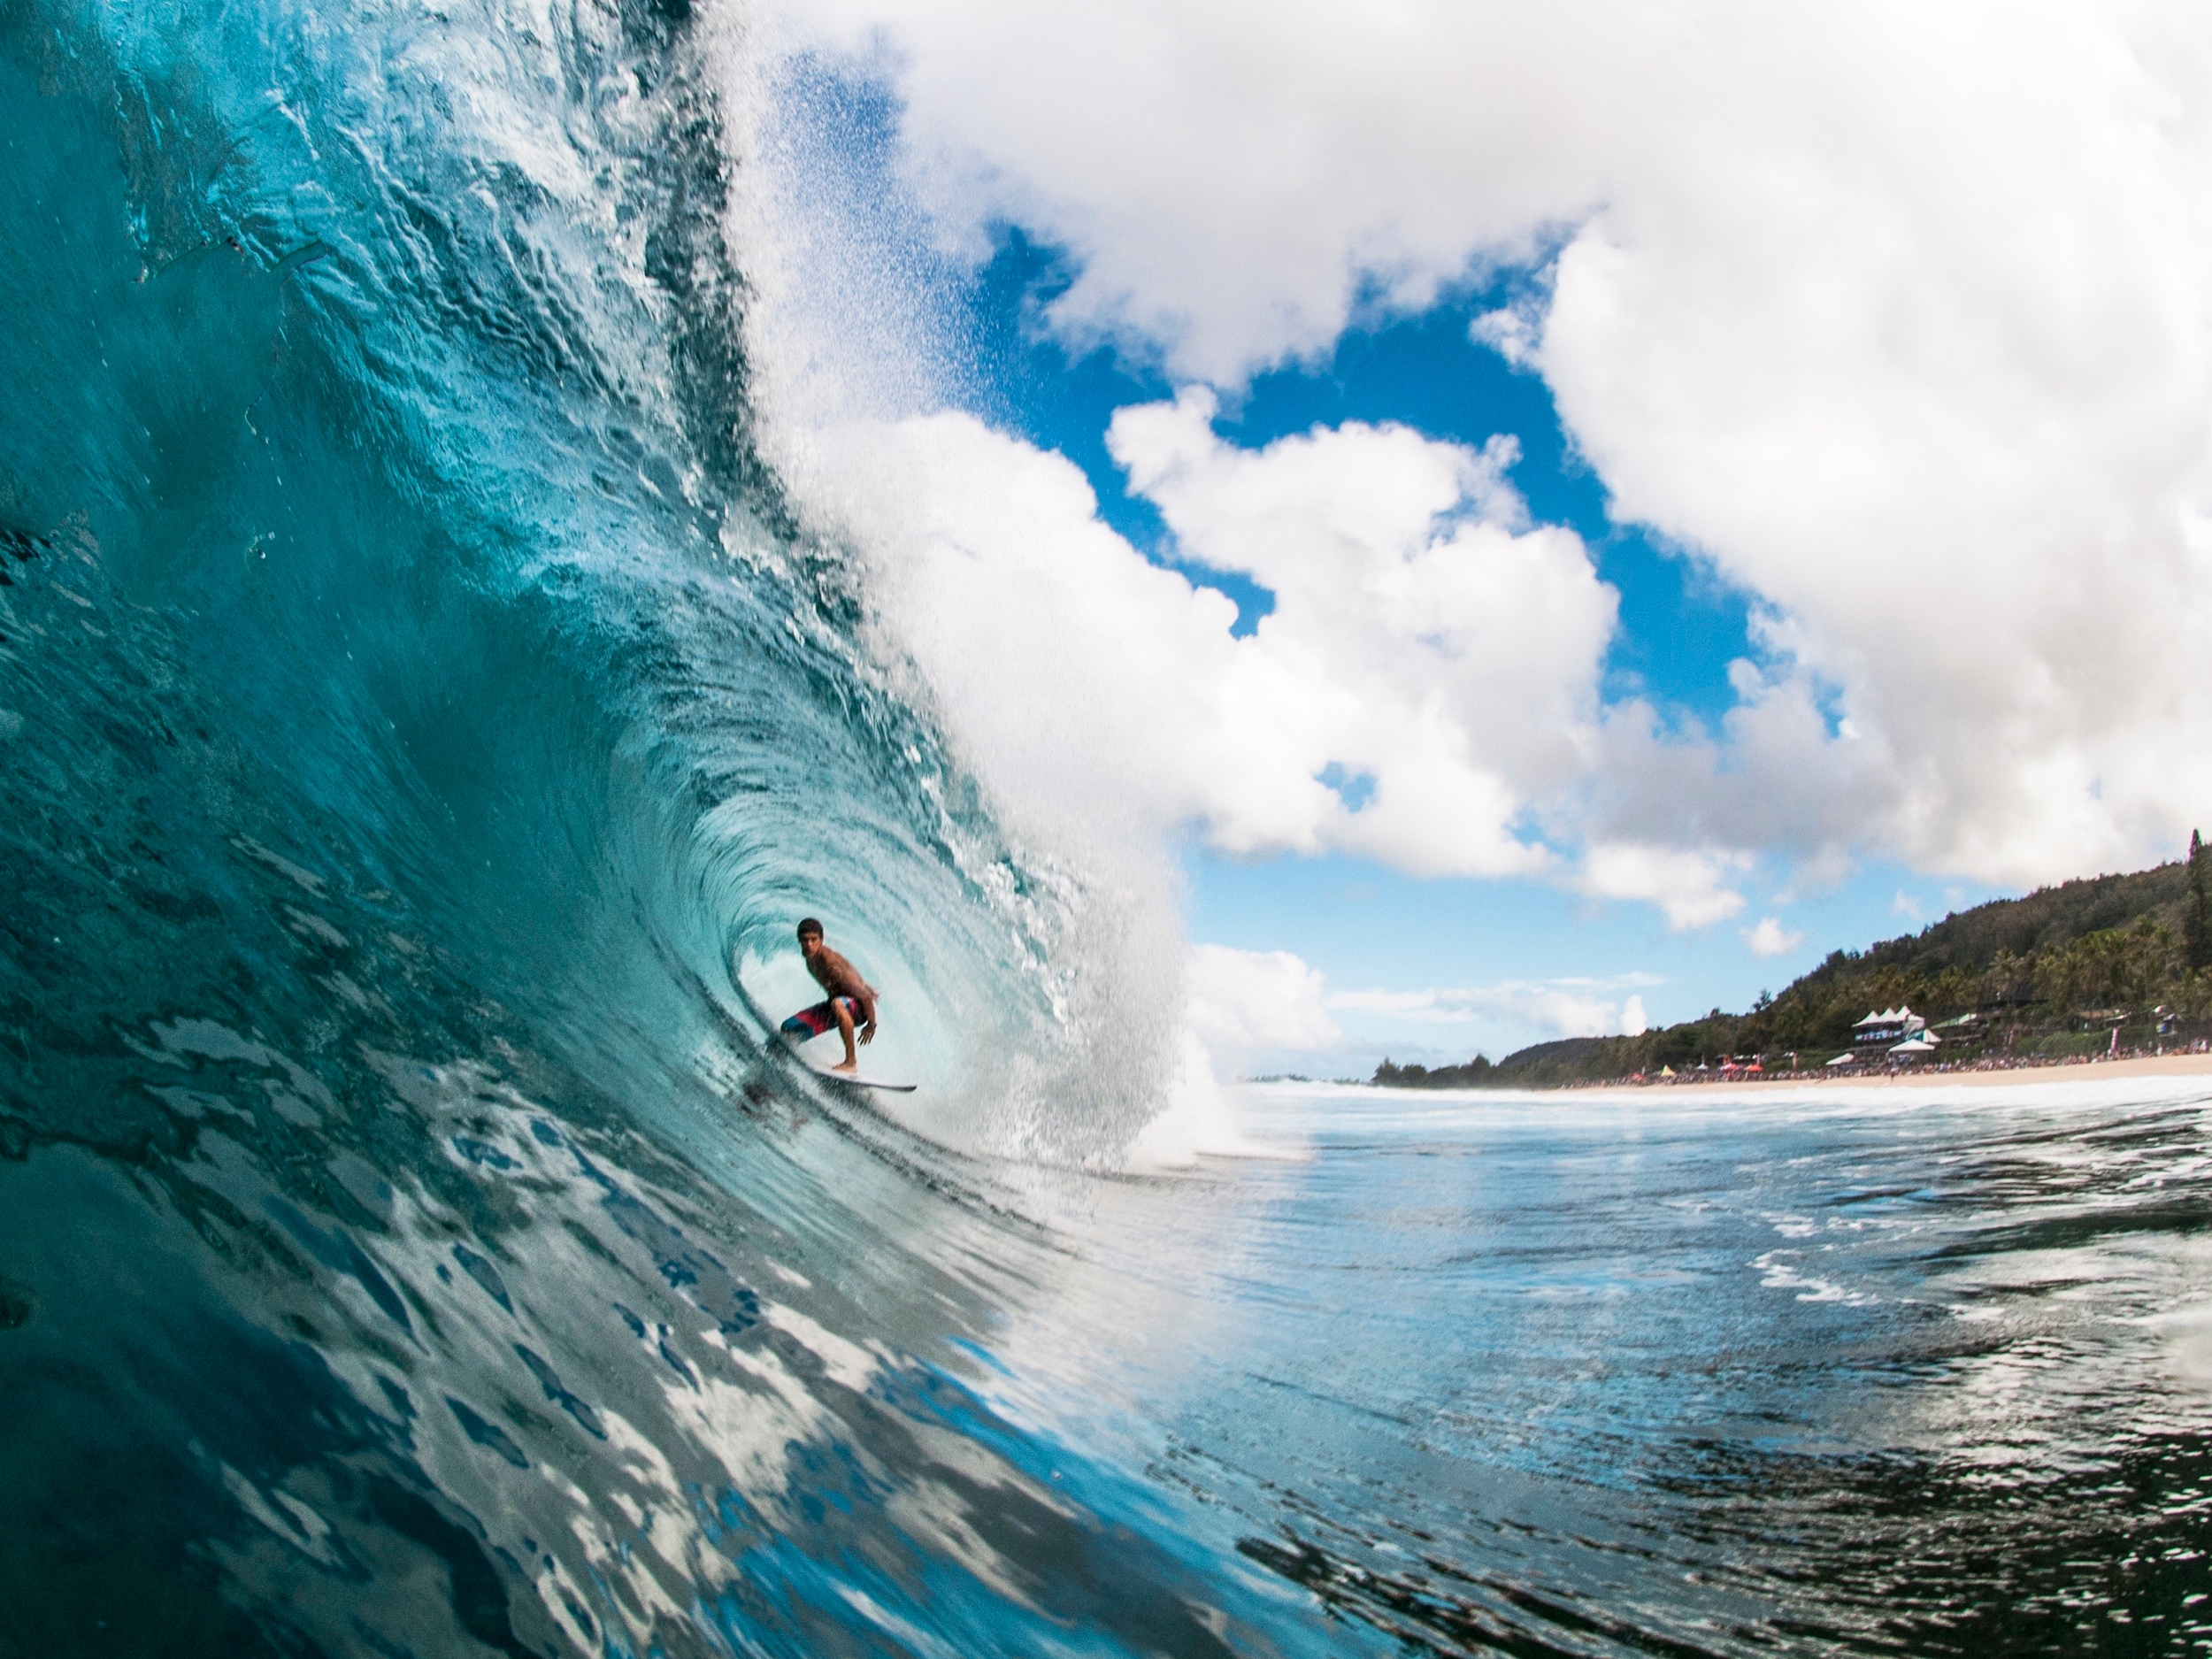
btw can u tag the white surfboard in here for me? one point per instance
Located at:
(845, 1078)
(851, 1081)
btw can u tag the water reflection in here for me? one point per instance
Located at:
(1553, 1375)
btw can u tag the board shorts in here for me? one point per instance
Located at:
(812, 1022)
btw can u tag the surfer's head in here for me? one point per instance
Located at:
(809, 935)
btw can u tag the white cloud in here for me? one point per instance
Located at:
(1229, 173)
(1896, 313)
(1561, 1008)
(1688, 887)
(1903, 325)
(1768, 938)
(1258, 999)
(1424, 639)
(1459, 648)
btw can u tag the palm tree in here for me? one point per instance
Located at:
(2196, 915)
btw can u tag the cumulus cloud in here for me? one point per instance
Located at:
(1232, 176)
(1258, 999)
(1565, 1008)
(1894, 314)
(1427, 643)
(1690, 888)
(1404, 574)
(1768, 938)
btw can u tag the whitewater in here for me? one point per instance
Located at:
(426, 707)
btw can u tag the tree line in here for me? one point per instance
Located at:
(2102, 951)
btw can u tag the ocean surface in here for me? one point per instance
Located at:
(424, 715)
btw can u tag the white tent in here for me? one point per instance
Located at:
(1845, 1058)
(1881, 1022)
(1922, 1044)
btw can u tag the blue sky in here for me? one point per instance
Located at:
(1364, 926)
(1879, 429)
(1683, 623)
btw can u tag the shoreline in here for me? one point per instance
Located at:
(2063, 1071)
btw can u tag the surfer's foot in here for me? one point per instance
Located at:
(848, 1067)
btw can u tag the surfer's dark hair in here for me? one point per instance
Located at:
(809, 926)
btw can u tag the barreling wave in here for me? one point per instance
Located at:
(383, 373)
(421, 721)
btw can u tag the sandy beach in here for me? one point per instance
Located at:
(2080, 1071)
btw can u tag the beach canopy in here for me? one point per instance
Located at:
(1844, 1058)
(1922, 1044)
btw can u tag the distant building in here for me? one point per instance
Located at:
(1887, 1026)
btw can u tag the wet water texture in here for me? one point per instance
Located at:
(416, 694)
(1849, 1372)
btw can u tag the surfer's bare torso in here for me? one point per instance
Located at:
(839, 978)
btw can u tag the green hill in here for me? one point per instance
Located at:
(2050, 972)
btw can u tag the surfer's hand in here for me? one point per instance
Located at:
(868, 1032)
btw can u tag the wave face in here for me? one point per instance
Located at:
(417, 697)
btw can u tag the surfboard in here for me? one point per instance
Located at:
(849, 1081)
(845, 1078)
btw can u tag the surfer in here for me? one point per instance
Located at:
(849, 996)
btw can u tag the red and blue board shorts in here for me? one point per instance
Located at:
(812, 1022)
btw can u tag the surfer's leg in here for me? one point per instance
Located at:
(809, 1023)
(844, 1007)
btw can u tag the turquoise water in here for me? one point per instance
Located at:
(417, 693)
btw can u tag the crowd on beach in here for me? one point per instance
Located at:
(1756, 1072)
